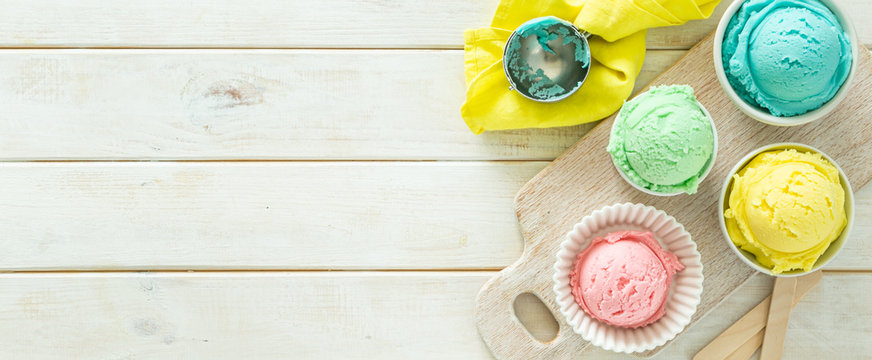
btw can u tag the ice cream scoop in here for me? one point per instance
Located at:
(663, 140)
(623, 278)
(786, 56)
(786, 207)
(546, 59)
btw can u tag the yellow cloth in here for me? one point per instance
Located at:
(617, 51)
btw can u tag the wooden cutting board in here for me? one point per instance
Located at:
(583, 179)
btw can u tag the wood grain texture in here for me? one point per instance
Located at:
(269, 104)
(232, 24)
(317, 104)
(249, 215)
(240, 315)
(277, 215)
(247, 104)
(583, 179)
(285, 24)
(357, 315)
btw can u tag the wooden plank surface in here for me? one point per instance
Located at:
(253, 104)
(254, 23)
(584, 179)
(357, 315)
(124, 103)
(279, 105)
(233, 316)
(249, 215)
(143, 104)
(277, 215)
(285, 24)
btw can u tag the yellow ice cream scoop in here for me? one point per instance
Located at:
(786, 207)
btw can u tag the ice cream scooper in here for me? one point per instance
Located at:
(547, 59)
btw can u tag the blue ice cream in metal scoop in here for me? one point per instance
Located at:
(546, 59)
(786, 56)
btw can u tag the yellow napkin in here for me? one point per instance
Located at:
(617, 51)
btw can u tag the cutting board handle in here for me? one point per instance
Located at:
(500, 328)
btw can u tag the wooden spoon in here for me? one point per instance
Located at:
(779, 314)
(742, 339)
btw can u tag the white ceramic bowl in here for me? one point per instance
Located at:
(705, 173)
(834, 247)
(684, 294)
(763, 115)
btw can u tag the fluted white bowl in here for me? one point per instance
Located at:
(684, 293)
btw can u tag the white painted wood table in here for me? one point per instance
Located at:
(271, 179)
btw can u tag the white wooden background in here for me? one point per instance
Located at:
(310, 191)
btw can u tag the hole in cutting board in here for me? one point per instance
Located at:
(535, 317)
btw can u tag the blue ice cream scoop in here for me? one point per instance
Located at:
(547, 59)
(786, 56)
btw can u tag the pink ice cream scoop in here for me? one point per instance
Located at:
(623, 279)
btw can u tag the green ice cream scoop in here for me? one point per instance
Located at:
(663, 140)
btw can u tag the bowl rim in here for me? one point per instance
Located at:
(709, 167)
(763, 115)
(748, 258)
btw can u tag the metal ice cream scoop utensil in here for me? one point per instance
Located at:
(547, 59)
